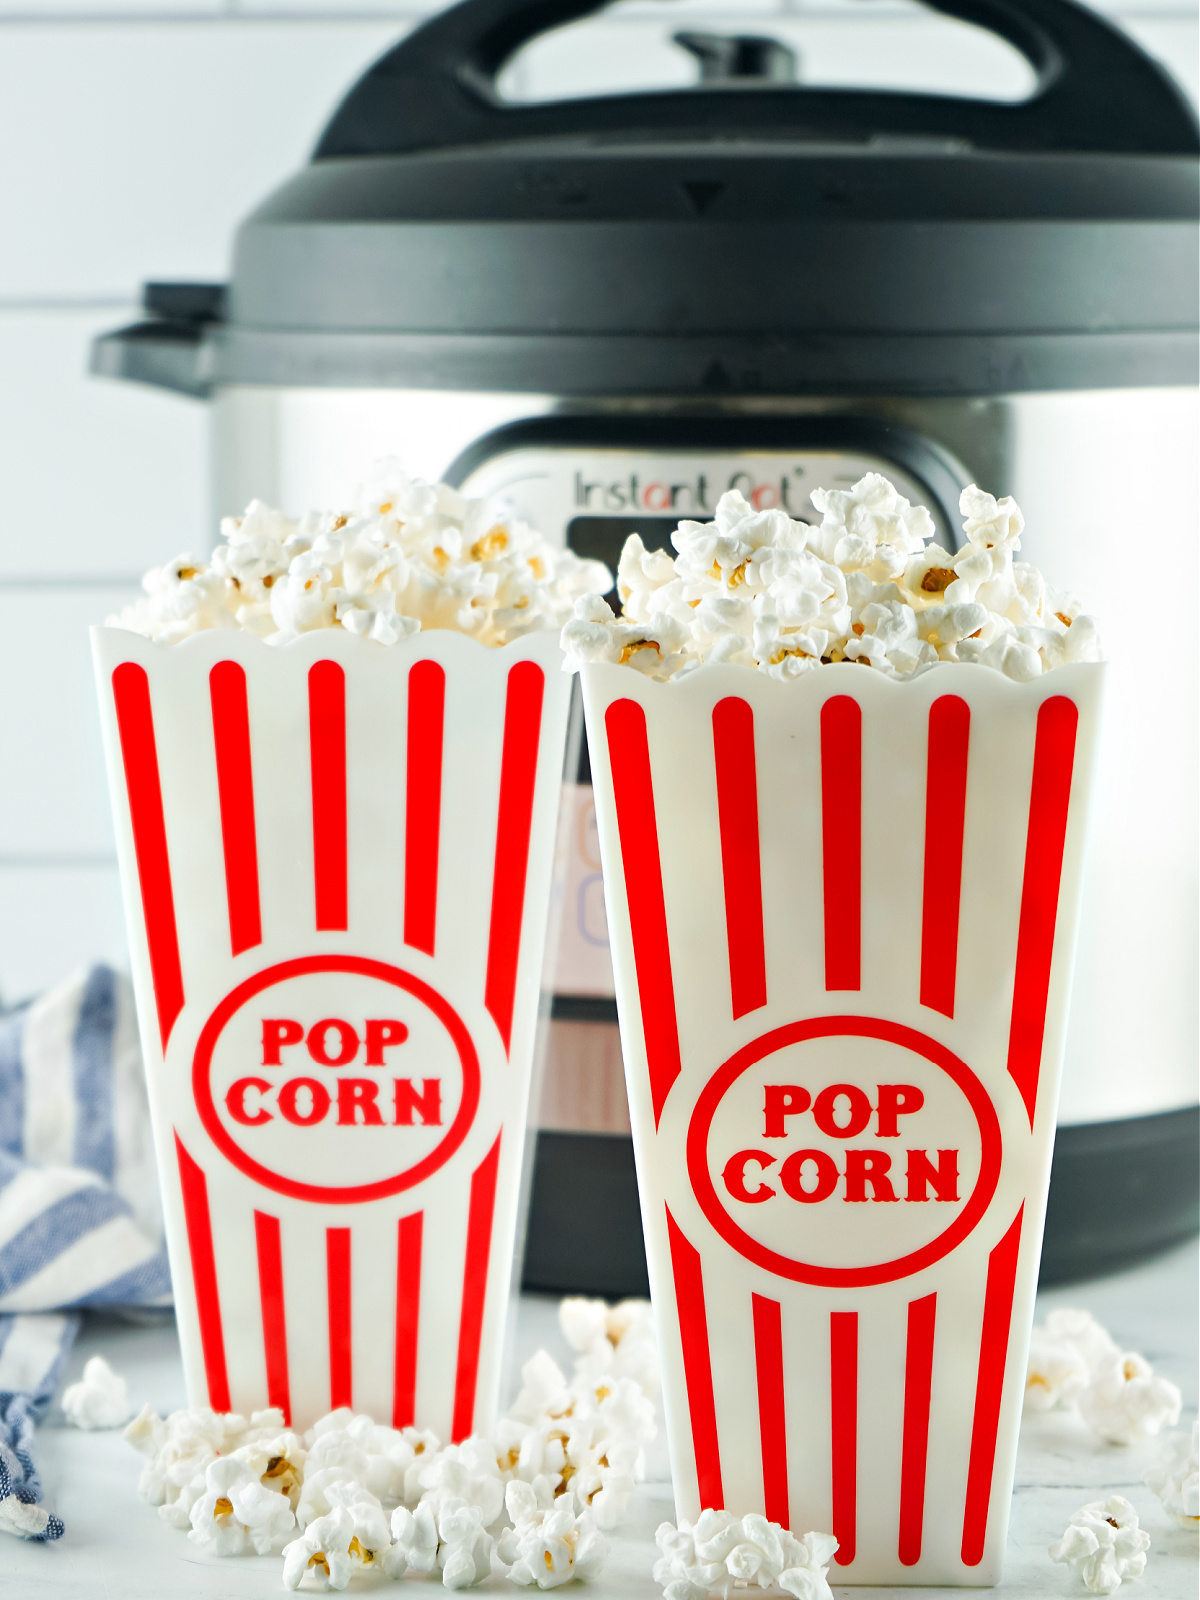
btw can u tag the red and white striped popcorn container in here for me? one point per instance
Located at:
(336, 863)
(842, 913)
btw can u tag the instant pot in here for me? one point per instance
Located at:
(610, 310)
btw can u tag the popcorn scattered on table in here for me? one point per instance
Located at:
(99, 1400)
(758, 589)
(238, 1513)
(406, 555)
(616, 1341)
(1073, 1361)
(562, 1465)
(322, 1552)
(722, 1550)
(179, 1449)
(549, 1547)
(1103, 1544)
(1063, 1353)
(1125, 1401)
(1175, 1477)
(416, 1540)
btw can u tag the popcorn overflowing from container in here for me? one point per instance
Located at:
(407, 555)
(761, 590)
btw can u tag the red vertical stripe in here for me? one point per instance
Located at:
(408, 1319)
(423, 803)
(697, 1364)
(235, 789)
(989, 1388)
(1049, 802)
(633, 793)
(480, 1212)
(327, 746)
(204, 1277)
(737, 805)
(518, 780)
(135, 727)
(274, 1317)
(772, 1421)
(918, 1384)
(841, 840)
(843, 1390)
(945, 810)
(341, 1359)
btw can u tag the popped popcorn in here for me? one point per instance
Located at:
(1072, 1360)
(451, 1538)
(322, 1551)
(382, 1457)
(1064, 1352)
(612, 1340)
(405, 555)
(361, 1494)
(277, 1462)
(466, 1472)
(332, 1489)
(758, 589)
(237, 1513)
(99, 1400)
(583, 1441)
(1125, 1401)
(415, 1537)
(1175, 1477)
(549, 1547)
(1103, 1544)
(179, 1449)
(721, 1550)
(464, 1546)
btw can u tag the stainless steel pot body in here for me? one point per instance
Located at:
(1108, 484)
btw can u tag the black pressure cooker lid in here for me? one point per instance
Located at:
(741, 237)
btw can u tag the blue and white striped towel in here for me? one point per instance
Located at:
(80, 1223)
(33, 1350)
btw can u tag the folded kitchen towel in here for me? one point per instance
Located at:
(80, 1223)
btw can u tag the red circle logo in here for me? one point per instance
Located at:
(338, 1068)
(844, 1166)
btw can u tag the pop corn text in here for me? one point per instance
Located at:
(841, 1111)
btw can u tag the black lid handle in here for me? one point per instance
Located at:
(1096, 91)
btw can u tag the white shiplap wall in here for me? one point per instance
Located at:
(133, 136)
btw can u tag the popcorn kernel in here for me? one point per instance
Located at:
(639, 644)
(492, 544)
(938, 579)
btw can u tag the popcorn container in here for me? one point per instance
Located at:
(336, 865)
(842, 913)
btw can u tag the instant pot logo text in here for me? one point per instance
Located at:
(813, 1174)
(336, 1078)
(843, 1150)
(684, 496)
(353, 1101)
